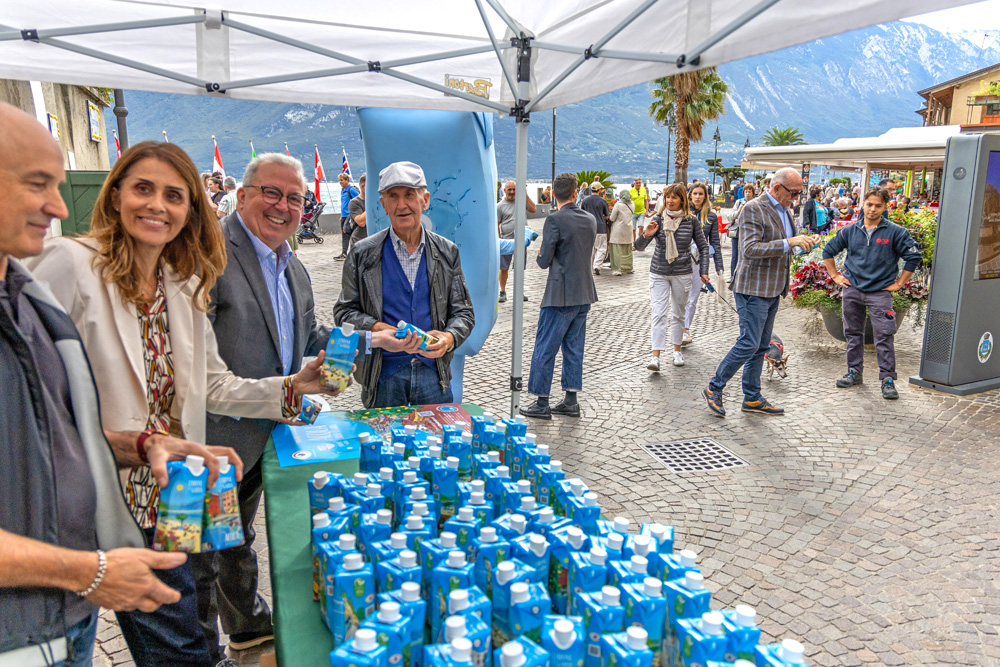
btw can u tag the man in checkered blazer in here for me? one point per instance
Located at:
(767, 236)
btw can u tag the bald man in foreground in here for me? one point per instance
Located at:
(68, 543)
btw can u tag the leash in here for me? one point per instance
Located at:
(712, 290)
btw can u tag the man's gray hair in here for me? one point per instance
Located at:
(273, 158)
(781, 176)
(229, 183)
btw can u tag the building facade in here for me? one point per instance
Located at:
(971, 101)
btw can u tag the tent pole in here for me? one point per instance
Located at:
(46, 33)
(521, 217)
(496, 47)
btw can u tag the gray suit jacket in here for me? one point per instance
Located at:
(247, 334)
(567, 244)
(762, 269)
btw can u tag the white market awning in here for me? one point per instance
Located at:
(901, 148)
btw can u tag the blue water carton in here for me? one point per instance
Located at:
(338, 509)
(358, 482)
(584, 511)
(456, 654)
(400, 434)
(466, 527)
(563, 639)
(742, 633)
(445, 488)
(493, 441)
(483, 462)
(495, 478)
(385, 477)
(482, 510)
(392, 454)
(520, 652)
(387, 549)
(361, 651)
(411, 463)
(701, 639)
(514, 456)
(789, 653)
(563, 543)
(473, 628)
(641, 545)
(322, 486)
(618, 525)
(465, 490)
(645, 607)
(470, 601)
(546, 522)
(516, 427)
(613, 544)
(588, 573)
(421, 494)
(411, 487)
(527, 505)
(461, 448)
(331, 558)
(549, 476)
(686, 598)
(631, 571)
(432, 553)
(324, 530)
(506, 574)
(222, 527)
(488, 552)
(626, 649)
(479, 424)
(369, 452)
(417, 530)
(182, 506)
(353, 598)
(430, 519)
(413, 607)
(370, 500)
(512, 494)
(374, 528)
(511, 526)
(533, 458)
(392, 574)
(335, 374)
(533, 549)
(451, 432)
(404, 328)
(673, 566)
(391, 631)
(529, 605)
(453, 574)
(433, 459)
(566, 489)
(662, 537)
(602, 614)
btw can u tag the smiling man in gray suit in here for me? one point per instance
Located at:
(767, 236)
(263, 316)
(567, 245)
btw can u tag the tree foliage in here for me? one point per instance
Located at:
(585, 178)
(728, 174)
(689, 100)
(788, 136)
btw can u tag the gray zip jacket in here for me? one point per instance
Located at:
(360, 301)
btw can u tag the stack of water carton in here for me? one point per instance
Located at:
(472, 548)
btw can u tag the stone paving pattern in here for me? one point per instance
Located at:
(868, 529)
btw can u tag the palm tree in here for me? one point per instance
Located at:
(788, 136)
(693, 98)
(585, 178)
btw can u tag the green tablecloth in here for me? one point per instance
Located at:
(300, 636)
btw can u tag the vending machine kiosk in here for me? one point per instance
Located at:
(963, 312)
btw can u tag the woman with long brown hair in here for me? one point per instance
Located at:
(674, 229)
(137, 288)
(701, 208)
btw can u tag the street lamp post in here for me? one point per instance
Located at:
(716, 138)
(746, 145)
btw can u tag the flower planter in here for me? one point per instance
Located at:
(834, 323)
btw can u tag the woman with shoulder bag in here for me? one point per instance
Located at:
(701, 208)
(749, 191)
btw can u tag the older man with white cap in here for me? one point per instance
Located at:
(406, 273)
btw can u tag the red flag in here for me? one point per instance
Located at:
(320, 176)
(118, 146)
(217, 160)
(286, 150)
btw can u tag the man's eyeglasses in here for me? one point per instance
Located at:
(274, 195)
(793, 193)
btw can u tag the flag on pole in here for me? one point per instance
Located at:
(118, 146)
(168, 140)
(346, 168)
(286, 150)
(217, 160)
(253, 153)
(320, 176)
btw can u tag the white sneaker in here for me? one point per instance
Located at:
(678, 359)
(654, 364)
(687, 340)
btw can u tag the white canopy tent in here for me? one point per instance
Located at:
(520, 56)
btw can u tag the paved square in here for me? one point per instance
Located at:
(868, 529)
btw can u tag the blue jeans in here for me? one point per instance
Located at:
(756, 322)
(559, 327)
(80, 643)
(415, 384)
(170, 635)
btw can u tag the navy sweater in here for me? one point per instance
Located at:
(872, 263)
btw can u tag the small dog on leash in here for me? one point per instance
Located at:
(777, 360)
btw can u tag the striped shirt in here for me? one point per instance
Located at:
(273, 265)
(409, 262)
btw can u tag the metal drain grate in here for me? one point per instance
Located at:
(695, 455)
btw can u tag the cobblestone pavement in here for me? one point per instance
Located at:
(868, 529)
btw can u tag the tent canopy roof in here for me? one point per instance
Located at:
(384, 53)
(899, 148)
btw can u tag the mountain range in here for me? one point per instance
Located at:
(859, 83)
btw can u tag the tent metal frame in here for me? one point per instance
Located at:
(519, 83)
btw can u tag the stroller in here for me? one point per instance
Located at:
(308, 228)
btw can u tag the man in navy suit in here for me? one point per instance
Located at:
(767, 236)
(567, 243)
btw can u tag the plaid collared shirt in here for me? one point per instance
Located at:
(409, 262)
